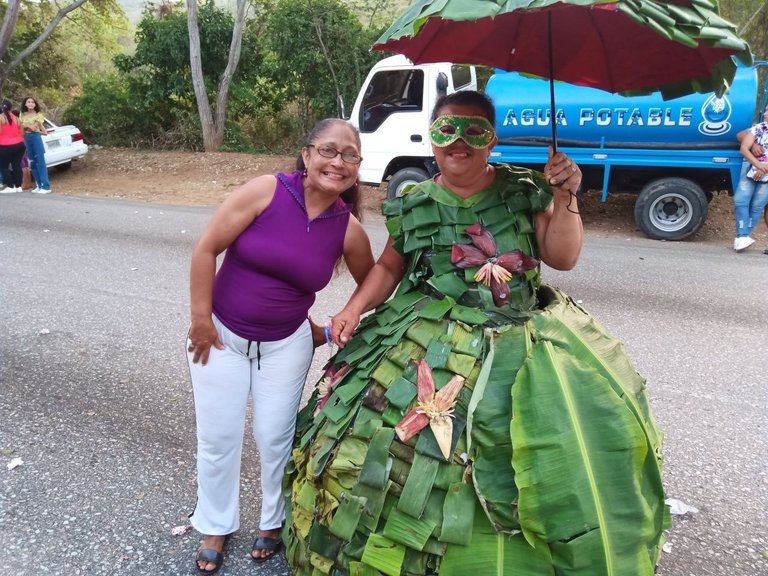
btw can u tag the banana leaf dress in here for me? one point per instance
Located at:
(549, 463)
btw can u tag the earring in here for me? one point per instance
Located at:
(304, 174)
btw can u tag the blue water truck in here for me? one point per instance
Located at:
(673, 154)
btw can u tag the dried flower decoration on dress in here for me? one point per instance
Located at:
(495, 269)
(330, 379)
(433, 408)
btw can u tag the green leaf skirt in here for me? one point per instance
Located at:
(555, 464)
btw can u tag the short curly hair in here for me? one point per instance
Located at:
(466, 98)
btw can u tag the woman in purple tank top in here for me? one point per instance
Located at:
(250, 334)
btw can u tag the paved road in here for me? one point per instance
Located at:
(95, 398)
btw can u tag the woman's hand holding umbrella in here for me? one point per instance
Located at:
(563, 175)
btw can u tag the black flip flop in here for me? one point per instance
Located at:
(266, 543)
(211, 556)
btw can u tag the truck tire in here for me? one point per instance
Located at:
(671, 208)
(403, 178)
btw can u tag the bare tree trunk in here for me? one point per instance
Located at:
(211, 141)
(9, 25)
(213, 127)
(232, 62)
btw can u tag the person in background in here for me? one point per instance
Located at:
(751, 195)
(27, 183)
(250, 334)
(33, 122)
(12, 148)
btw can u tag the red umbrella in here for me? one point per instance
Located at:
(624, 46)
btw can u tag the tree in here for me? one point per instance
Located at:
(318, 40)
(213, 126)
(10, 20)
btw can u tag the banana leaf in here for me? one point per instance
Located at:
(489, 415)
(574, 476)
(458, 514)
(496, 554)
(437, 353)
(405, 352)
(436, 309)
(423, 331)
(418, 486)
(384, 555)
(366, 423)
(323, 542)
(566, 327)
(375, 500)
(375, 470)
(465, 340)
(400, 393)
(347, 516)
(360, 569)
(407, 530)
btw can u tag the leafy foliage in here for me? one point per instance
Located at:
(155, 84)
(297, 55)
(83, 41)
(316, 41)
(114, 111)
(162, 51)
(47, 69)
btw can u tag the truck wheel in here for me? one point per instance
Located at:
(671, 208)
(403, 178)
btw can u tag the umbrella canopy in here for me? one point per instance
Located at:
(625, 46)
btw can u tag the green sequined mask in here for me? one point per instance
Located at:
(476, 131)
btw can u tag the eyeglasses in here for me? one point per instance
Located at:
(331, 152)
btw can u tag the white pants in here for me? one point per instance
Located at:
(274, 374)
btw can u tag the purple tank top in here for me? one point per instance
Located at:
(271, 272)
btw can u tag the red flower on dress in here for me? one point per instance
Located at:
(327, 382)
(496, 270)
(433, 408)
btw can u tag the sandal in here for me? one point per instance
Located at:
(266, 543)
(211, 556)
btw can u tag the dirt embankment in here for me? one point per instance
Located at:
(205, 179)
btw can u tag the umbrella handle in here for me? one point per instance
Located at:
(552, 110)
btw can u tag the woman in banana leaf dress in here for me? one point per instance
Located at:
(478, 422)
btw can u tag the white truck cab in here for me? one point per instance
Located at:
(392, 113)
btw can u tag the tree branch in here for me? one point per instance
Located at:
(21, 56)
(198, 81)
(318, 31)
(752, 18)
(232, 62)
(9, 24)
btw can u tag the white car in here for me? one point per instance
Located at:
(62, 145)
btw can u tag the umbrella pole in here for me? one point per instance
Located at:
(552, 109)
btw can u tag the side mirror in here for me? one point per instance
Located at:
(442, 84)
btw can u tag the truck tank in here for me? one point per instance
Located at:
(593, 118)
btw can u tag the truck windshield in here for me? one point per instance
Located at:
(391, 91)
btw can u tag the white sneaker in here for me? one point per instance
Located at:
(35, 190)
(10, 190)
(742, 243)
(41, 191)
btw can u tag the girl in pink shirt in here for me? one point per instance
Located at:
(12, 148)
